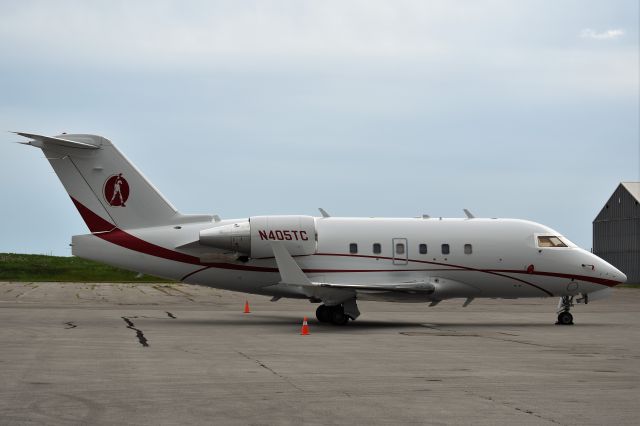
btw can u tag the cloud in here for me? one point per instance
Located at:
(604, 35)
(170, 32)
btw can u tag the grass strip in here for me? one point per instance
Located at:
(38, 268)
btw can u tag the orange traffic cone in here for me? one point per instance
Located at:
(305, 327)
(246, 307)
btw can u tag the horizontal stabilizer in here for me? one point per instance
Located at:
(55, 141)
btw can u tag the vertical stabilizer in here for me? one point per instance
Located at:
(106, 188)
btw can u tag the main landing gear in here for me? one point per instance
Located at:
(564, 316)
(332, 314)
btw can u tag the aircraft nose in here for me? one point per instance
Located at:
(615, 273)
(623, 277)
(604, 269)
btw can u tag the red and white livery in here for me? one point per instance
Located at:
(333, 261)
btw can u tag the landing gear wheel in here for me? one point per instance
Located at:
(338, 316)
(323, 313)
(564, 305)
(565, 318)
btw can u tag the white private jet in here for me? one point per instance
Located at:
(334, 261)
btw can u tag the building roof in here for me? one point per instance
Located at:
(633, 188)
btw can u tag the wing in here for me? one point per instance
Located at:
(402, 287)
(292, 275)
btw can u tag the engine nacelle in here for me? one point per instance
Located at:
(234, 237)
(251, 237)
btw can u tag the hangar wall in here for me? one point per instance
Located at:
(616, 231)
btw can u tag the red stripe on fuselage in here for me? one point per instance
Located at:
(94, 222)
(98, 226)
(124, 239)
(596, 280)
(453, 267)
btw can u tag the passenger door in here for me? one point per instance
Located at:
(400, 248)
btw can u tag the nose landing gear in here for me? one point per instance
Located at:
(564, 306)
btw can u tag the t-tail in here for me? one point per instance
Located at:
(108, 191)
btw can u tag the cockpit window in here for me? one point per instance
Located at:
(550, 241)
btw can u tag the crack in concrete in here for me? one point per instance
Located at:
(31, 286)
(168, 289)
(454, 333)
(139, 334)
(186, 294)
(522, 342)
(521, 410)
(272, 371)
(161, 290)
(69, 325)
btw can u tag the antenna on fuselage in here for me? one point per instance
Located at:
(323, 212)
(468, 213)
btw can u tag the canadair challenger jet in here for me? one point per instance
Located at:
(333, 261)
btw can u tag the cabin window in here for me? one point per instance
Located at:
(377, 248)
(422, 248)
(468, 249)
(399, 248)
(550, 241)
(445, 249)
(353, 248)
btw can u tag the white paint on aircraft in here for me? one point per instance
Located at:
(333, 260)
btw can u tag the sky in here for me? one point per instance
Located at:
(525, 109)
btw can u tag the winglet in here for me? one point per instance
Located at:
(290, 272)
(323, 212)
(468, 213)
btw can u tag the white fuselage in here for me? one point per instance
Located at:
(502, 258)
(325, 259)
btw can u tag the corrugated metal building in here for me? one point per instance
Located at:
(616, 231)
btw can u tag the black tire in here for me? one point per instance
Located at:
(323, 313)
(338, 317)
(565, 318)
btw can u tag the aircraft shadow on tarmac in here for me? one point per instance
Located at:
(288, 321)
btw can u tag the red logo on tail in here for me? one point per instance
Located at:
(116, 190)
